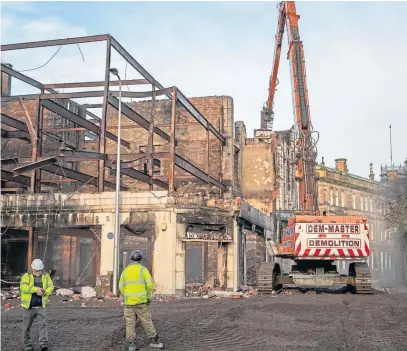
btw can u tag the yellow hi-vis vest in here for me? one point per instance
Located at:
(136, 284)
(27, 288)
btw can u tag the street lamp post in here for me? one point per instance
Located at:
(116, 256)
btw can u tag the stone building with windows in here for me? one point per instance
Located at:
(343, 193)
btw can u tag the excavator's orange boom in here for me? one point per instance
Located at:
(305, 145)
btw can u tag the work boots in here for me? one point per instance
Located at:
(155, 343)
(130, 346)
(133, 347)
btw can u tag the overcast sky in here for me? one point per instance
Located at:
(356, 60)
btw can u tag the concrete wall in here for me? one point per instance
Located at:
(258, 176)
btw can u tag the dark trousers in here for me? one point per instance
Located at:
(28, 318)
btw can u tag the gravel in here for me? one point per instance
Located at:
(292, 322)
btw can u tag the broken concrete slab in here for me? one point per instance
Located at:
(87, 292)
(64, 292)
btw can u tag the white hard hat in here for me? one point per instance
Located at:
(37, 265)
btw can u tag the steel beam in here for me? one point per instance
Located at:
(138, 155)
(135, 117)
(9, 161)
(92, 105)
(23, 180)
(83, 155)
(55, 42)
(140, 176)
(137, 162)
(198, 116)
(21, 77)
(90, 114)
(133, 173)
(195, 171)
(78, 176)
(94, 84)
(65, 113)
(14, 98)
(122, 51)
(100, 93)
(29, 81)
(161, 184)
(15, 134)
(84, 94)
(73, 117)
(34, 165)
(12, 122)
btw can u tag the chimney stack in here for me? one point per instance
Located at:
(371, 175)
(341, 165)
(6, 82)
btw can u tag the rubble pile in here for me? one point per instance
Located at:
(12, 293)
(197, 290)
(248, 291)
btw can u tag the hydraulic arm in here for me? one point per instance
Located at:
(306, 151)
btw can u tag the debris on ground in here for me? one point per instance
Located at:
(64, 292)
(197, 289)
(248, 291)
(225, 294)
(87, 292)
(12, 293)
(189, 324)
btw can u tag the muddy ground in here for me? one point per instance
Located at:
(282, 322)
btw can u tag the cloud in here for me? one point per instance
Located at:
(356, 65)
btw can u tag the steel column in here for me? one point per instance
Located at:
(171, 172)
(102, 135)
(207, 156)
(34, 141)
(150, 164)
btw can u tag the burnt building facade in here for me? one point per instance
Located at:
(182, 201)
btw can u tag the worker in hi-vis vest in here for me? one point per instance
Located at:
(35, 287)
(136, 285)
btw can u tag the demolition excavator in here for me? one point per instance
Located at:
(309, 240)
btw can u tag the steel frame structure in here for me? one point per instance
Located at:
(48, 99)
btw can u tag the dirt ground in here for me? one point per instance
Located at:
(288, 322)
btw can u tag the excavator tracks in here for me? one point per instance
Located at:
(267, 277)
(362, 276)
